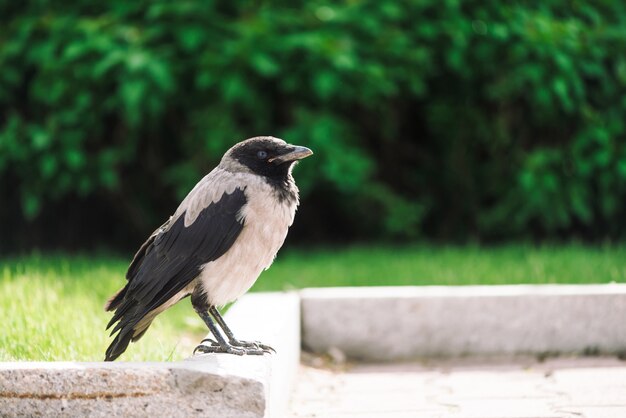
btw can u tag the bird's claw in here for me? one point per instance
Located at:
(236, 347)
(268, 349)
(203, 348)
(256, 345)
(209, 340)
(228, 349)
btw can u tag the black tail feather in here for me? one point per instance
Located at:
(126, 317)
(119, 344)
(116, 299)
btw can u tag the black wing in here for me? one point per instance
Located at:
(169, 261)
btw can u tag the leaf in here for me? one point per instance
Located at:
(31, 205)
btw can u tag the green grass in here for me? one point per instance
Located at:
(53, 310)
(51, 306)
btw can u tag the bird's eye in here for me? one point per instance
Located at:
(261, 155)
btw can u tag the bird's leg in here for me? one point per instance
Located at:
(231, 337)
(220, 345)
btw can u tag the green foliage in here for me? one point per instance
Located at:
(443, 118)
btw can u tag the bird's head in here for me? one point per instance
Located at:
(264, 155)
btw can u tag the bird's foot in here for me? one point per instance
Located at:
(253, 344)
(206, 346)
(228, 349)
(215, 347)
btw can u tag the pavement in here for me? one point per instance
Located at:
(583, 387)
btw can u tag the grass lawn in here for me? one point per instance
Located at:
(52, 305)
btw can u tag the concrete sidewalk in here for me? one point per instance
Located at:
(514, 388)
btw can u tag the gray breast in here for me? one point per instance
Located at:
(266, 222)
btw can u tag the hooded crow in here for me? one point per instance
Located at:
(222, 236)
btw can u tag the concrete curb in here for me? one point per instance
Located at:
(274, 319)
(205, 385)
(400, 323)
(365, 323)
(132, 389)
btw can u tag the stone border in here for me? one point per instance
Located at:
(380, 323)
(205, 385)
(96, 389)
(402, 323)
(274, 319)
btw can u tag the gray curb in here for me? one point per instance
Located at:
(273, 319)
(401, 323)
(365, 323)
(206, 385)
(132, 389)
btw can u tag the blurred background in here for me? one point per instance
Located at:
(433, 120)
(445, 134)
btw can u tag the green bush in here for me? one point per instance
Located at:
(444, 119)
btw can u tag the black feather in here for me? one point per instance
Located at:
(116, 299)
(118, 346)
(170, 259)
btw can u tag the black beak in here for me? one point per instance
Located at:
(295, 153)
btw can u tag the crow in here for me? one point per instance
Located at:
(213, 248)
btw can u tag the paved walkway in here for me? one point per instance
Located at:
(563, 387)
